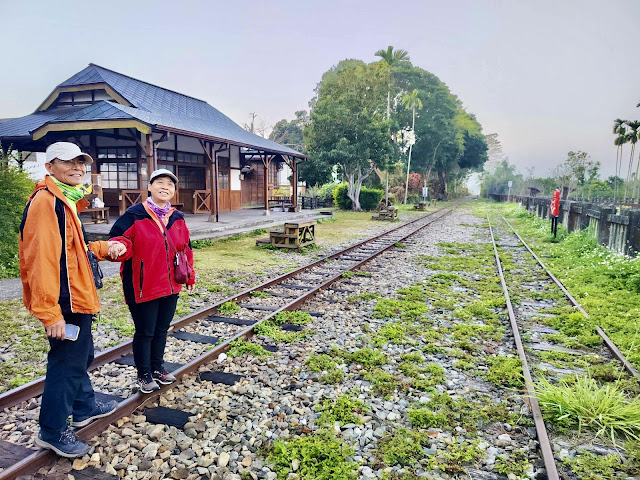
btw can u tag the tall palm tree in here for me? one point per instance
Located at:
(632, 138)
(635, 132)
(392, 59)
(411, 101)
(619, 128)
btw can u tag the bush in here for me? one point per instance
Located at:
(325, 192)
(369, 197)
(17, 187)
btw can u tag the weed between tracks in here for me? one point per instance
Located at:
(598, 397)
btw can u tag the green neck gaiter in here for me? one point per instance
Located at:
(72, 193)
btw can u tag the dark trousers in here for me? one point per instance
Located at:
(554, 225)
(152, 320)
(67, 387)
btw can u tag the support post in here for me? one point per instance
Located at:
(294, 181)
(265, 183)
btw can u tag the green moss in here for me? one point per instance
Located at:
(459, 455)
(320, 456)
(273, 330)
(240, 347)
(260, 294)
(319, 363)
(506, 371)
(515, 463)
(403, 447)
(383, 383)
(228, 308)
(294, 317)
(366, 357)
(343, 409)
(362, 297)
(333, 376)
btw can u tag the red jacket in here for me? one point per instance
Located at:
(147, 272)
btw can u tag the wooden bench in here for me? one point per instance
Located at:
(295, 235)
(420, 206)
(98, 215)
(432, 202)
(390, 213)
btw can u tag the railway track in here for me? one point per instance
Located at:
(208, 333)
(533, 284)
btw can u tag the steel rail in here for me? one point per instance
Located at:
(44, 457)
(608, 342)
(34, 388)
(541, 429)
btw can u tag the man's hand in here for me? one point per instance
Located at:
(116, 249)
(191, 288)
(56, 330)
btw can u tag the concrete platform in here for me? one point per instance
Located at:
(231, 223)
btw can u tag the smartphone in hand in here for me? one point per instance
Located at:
(71, 332)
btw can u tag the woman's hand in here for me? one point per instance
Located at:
(191, 288)
(116, 249)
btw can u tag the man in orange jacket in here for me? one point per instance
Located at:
(59, 289)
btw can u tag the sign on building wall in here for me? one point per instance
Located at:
(282, 191)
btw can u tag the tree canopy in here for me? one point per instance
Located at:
(347, 125)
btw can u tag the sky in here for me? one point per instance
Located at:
(548, 76)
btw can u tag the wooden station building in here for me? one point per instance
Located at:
(131, 128)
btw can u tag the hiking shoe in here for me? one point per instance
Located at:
(146, 384)
(67, 445)
(99, 411)
(163, 377)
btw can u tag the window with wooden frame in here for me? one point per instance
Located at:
(191, 178)
(121, 175)
(84, 97)
(117, 152)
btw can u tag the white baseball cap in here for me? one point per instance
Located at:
(162, 172)
(66, 151)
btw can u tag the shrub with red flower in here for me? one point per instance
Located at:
(415, 183)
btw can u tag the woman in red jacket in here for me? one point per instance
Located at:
(153, 232)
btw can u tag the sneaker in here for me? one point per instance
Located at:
(163, 377)
(146, 384)
(99, 411)
(67, 445)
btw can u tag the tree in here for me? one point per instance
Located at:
(392, 59)
(632, 138)
(620, 130)
(347, 123)
(413, 103)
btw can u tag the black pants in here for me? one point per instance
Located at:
(554, 225)
(67, 387)
(152, 320)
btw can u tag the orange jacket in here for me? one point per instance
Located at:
(54, 267)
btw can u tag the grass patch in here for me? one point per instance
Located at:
(585, 404)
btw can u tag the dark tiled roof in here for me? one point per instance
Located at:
(152, 105)
(23, 126)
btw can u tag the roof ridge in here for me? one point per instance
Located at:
(142, 81)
